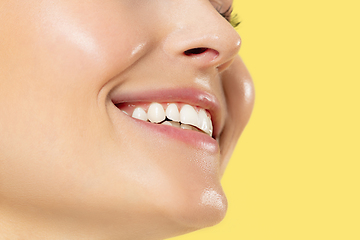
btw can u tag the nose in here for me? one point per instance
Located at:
(201, 36)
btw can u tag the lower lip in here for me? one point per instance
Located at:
(192, 138)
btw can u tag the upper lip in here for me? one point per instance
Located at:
(191, 96)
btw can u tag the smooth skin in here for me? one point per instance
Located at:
(72, 166)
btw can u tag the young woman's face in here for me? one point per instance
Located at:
(68, 152)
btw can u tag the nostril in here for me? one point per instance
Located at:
(195, 51)
(201, 55)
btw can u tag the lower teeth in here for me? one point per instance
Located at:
(182, 126)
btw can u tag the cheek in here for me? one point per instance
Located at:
(73, 40)
(57, 60)
(89, 39)
(239, 90)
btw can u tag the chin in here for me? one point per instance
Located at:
(200, 211)
(191, 198)
(191, 209)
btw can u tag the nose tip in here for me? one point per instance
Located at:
(227, 60)
(208, 42)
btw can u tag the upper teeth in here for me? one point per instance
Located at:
(187, 118)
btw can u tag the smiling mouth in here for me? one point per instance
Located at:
(178, 115)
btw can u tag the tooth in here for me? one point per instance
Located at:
(156, 113)
(188, 127)
(211, 127)
(166, 123)
(172, 112)
(175, 124)
(124, 112)
(188, 115)
(185, 126)
(204, 121)
(171, 123)
(139, 113)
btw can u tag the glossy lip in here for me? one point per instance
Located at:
(189, 96)
(195, 139)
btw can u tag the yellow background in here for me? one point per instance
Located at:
(295, 172)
